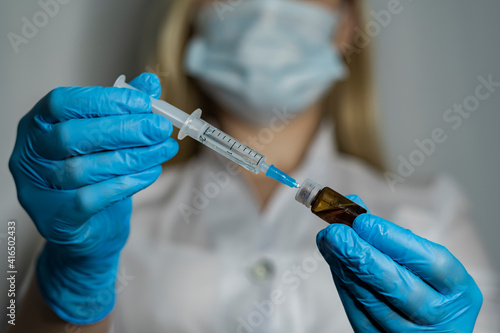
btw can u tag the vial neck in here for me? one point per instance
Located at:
(307, 192)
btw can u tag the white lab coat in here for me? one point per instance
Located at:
(228, 267)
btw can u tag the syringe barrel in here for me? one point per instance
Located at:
(222, 143)
(175, 115)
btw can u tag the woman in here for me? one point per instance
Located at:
(214, 248)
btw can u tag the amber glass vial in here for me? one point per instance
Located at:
(329, 205)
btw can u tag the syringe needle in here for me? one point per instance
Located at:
(280, 176)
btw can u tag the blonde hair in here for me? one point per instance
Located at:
(350, 103)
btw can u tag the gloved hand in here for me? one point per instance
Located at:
(391, 280)
(80, 154)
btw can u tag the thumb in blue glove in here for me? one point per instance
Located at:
(392, 280)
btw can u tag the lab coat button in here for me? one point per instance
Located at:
(262, 270)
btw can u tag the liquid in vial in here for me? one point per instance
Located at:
(327, 204)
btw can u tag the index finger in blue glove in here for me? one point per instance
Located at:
(66, 103)
(83, 136)
(365, 309)
(358, 315)
(88, 169)
(400, 287)
(430, 261)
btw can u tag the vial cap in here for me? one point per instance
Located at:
(307, 192)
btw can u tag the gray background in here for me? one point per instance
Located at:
(428, 58)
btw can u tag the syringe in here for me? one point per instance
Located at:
(195, 127)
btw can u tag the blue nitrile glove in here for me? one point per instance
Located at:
(79, 156)
(391, 280)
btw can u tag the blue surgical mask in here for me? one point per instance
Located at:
(265, 55)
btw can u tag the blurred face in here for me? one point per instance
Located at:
(345, 32)
(332, 4)
(252, 56)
